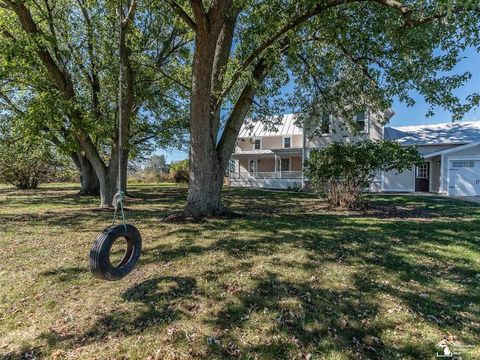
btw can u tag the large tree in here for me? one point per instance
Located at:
(345, 55)
(61, 65)
(30, 116)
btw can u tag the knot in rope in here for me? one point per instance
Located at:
(117, 202)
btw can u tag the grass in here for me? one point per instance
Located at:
(291, 280)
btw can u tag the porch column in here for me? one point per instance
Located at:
(280, 167)
(276, 170)
(442, 187)
(303, 156)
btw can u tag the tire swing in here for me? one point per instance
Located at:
(100, 262)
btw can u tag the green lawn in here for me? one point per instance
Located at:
(291, 280)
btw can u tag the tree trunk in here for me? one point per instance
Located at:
(123, 185)
(89, 183)
(108, 187)
(209, 159)
(205, 170)
(205, 186)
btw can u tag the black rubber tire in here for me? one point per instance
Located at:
(100, 264)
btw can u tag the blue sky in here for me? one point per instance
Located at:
(415, 115)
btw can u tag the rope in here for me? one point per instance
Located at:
(118, 200)
(119, 197)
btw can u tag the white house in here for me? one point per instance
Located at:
(273, 158)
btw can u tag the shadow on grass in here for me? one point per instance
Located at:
(65, 274)
(156, 299)
(414, 243)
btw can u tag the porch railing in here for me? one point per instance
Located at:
(266, 175)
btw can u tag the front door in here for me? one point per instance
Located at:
(285, 164)
(422, 177)
(252, 167)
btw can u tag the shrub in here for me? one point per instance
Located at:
(26, 164)
(179, 171)
(341, 172)
(181, 176)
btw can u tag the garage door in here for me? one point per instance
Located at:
(464, 177)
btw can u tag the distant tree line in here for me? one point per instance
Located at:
(156, 169)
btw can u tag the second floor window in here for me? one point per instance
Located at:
(257, 144)
(361, 122)
(287, 142)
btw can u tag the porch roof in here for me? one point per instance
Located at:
(269, 152)
(252, 152)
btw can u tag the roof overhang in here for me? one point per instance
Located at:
(257, 153)
(267, 153)
(288, 151)
(452, 150)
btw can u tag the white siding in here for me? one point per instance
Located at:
(402, 182)
(472, 152)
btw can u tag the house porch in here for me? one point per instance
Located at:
(267, 168)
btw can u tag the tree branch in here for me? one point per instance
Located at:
(130, 13)
(179, 10)
(93, 76)
(10, 103)
(407, 12)
(239, 112)
(273, 38)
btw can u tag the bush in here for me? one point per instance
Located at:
(181, 176)
(341, 172)
(179, 171)
(26, 164)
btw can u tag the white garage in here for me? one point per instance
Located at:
(464, 177)
(452, 158)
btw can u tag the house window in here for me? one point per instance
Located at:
(325, 124)
(463, 164)
(422, 171)
(361, 122)
(257, 144)
(287, 142)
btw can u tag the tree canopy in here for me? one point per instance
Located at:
(59, 68)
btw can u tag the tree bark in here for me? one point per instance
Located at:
(108, 187)
(205, 170)
(124, 170)
(205, 185)
(90, 186)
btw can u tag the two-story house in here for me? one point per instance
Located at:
(274, 158)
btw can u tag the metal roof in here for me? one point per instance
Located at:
(447, 133)
(271, 126)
